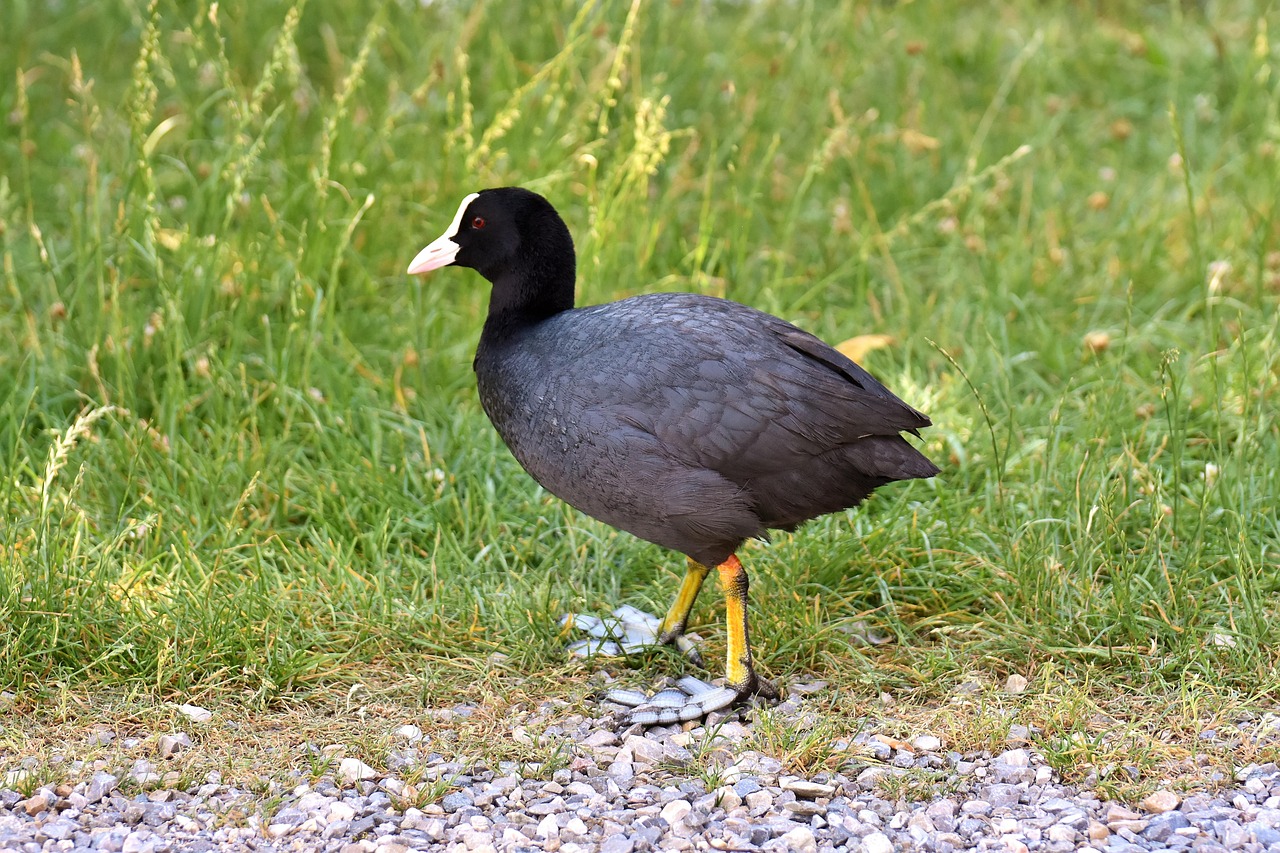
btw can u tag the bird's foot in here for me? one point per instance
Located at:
(691, 699)
(625, 631)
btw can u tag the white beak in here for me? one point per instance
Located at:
(442, 250)
(440, 253)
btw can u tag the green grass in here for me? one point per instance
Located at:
(243, 456)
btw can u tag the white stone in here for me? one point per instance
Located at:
(410, 733)
(604, 737)
(727, 798)
(339, 810)
(355, 770)
(877, 842)
(801, 840)
(1062, 832)
(1014, 758)
(195, 713)
(676, 811)
(759, 801)
(434, 829)
(137, 842)
(941, 808)
(927, 743)
(548, 827)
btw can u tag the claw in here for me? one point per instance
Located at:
(689, 649)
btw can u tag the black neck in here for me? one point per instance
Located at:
(530, 291)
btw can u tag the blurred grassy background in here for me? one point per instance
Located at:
(243, 455)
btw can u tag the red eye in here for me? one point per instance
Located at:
(478, 222)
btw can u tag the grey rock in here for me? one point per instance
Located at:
(1002, 795)
(618, 843)
(457, 800)
(881, 751)
(643, 750)
(360, 827)
(1019, 735)
(1161, 827)
(808, 790)
(1264, 834)
(1006, 802)
(59, 830)
(100, 785)
(622, 770)
(805, 808)
(139, 842)
(290, 817)
(172, 744)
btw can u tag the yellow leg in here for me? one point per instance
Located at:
(678, 616)
(739, 673)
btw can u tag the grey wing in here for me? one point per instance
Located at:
(751, 403)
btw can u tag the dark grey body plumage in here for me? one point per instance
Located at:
(690, 421)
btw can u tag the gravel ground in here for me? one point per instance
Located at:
(620, 790)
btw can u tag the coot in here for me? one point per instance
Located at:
(690, 421)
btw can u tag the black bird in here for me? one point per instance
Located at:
(690, 421)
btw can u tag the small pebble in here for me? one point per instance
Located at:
(1161, 801)
(171, 745)
(877, 842)
(808, 790)
(35, 805)
(927, 743)
(1015, 684)
(409, 733)
(195, 713)
(355, 770)
(802, 840)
